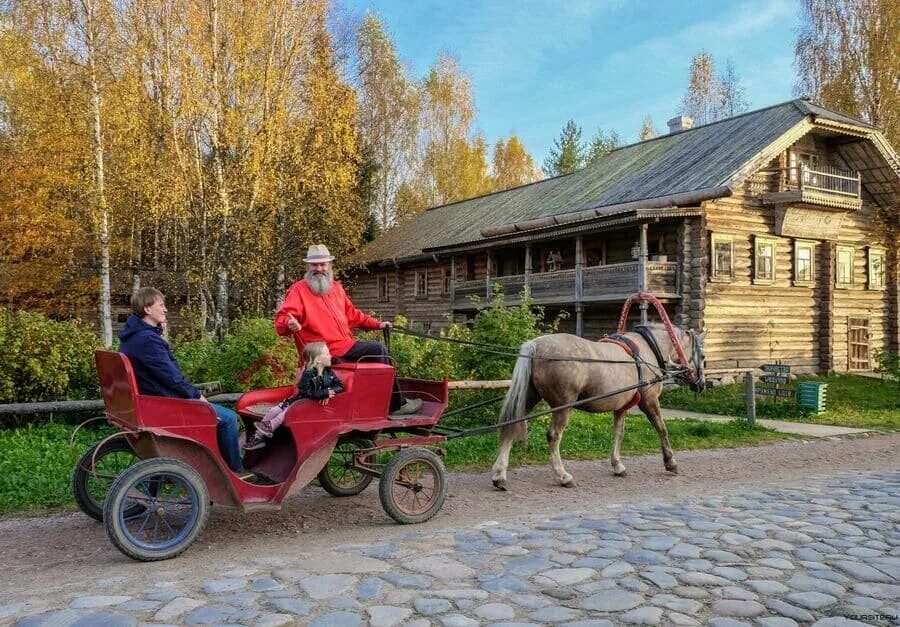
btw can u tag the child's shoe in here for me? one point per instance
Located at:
(255, 441)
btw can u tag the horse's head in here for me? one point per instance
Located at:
(693, 372)
(696, 360)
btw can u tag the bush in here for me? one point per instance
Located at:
(888, 364)
(44, 360)
(251, 356)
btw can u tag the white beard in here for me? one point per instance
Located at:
(320, 284)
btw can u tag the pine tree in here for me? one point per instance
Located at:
(602, 144)
(568, 153)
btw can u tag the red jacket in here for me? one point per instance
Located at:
(329, 318)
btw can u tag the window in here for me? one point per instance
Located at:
(764, 260)
(445, 281)
(876, 269)
(384, 290)
(722, 257)
(796, 161)
(422, 284)
(844, 266)
(803, 263)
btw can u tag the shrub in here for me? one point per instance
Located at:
(250, 356)
(888, 364)
(45, 360)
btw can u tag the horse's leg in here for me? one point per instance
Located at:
(554, 437)
(618, 432)
(650, 406)
(508, 435)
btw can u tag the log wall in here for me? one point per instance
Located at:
(750, 323)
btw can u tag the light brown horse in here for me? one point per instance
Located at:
(561, 381)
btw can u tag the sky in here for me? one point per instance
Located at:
(604, 63)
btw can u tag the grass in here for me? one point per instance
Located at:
(852, 401)
(36, 465)
(36, 462)
(589, 436)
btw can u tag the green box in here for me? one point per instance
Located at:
(812, 395)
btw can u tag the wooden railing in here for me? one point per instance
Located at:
(829, 180)
(609, 282)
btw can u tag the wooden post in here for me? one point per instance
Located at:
(579, 285)
(528, 266)
(487, 292)
(750, 402)
(452, 283)
(642, 270)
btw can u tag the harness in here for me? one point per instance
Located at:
(632, 350)
(645, 333)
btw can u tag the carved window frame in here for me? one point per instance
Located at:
(800, 244)
(421, 286)
(845, 250)
(875, 253)
(759, 243)
(384, 288)
(716, 274)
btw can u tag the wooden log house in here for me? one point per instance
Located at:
(775, 230)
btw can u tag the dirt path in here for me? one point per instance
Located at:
(62, 555)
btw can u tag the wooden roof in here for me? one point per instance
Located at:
(711, 158)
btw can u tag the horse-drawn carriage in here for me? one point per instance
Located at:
(152, 482)
(155, 508)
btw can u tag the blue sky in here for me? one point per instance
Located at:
(604, 63)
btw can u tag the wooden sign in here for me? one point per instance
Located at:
(779, 368)
(809, 223)
(773, 378)
(776, 392)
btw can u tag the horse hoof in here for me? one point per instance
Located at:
(500, 484)
(569, 484)
(618, 472)
(673, 469)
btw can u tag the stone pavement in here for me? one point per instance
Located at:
(824, 553)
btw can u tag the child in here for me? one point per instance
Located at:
(317, 381)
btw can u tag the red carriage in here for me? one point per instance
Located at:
(164, 467)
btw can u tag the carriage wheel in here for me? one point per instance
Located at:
(174, 506)
(97, 470)
(413, 486)
(339, 477)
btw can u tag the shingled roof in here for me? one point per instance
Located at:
(702, 158)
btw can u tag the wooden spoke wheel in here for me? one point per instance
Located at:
(339, 477)
(413, 486)
(96, 471)
(173, 505)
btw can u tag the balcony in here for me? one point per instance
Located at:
(610, 283)
(818, 187)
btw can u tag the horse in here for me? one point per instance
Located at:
(563, 369)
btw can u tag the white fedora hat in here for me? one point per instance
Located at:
(318, 253)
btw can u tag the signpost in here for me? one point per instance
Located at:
(777, 375)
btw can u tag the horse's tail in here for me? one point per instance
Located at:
(516, 402)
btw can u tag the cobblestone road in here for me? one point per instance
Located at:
(824, 554)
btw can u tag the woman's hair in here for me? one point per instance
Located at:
(311, 351)
(142, 298)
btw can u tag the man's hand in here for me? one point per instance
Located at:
(203, 398)
(292, 324)
(386, 325)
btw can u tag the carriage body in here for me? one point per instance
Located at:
(185, 430)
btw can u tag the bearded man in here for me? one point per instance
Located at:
(317, 309)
